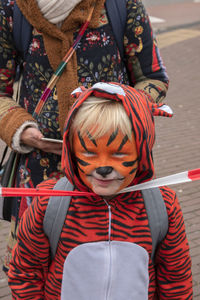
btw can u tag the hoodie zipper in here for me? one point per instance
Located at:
(109, 245)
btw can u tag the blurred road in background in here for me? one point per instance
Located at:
(177, 27)
(173, 14)
(150, 3)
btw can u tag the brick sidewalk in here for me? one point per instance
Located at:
(4, 289)
(177, 147)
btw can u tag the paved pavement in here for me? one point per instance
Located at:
(174, 15)
(177, 146)
(178, 139)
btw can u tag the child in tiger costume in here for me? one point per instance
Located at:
(104, 250)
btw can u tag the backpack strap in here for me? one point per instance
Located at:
(157, 216)
(117, 14)
(55, 214)
(22, 31)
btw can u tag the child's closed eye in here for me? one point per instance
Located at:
(119, 154)
(89, 153)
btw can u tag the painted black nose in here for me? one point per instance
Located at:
(104, 171)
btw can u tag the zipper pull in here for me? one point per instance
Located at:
(109, 219)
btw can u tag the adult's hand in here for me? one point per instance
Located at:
(32, 137)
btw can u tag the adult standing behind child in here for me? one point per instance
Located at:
(106, 244)
(55, 25)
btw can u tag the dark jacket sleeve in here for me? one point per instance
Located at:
(146, 69)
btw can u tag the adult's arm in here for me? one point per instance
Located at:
(12, 115)
(18, 129)
(146, 69)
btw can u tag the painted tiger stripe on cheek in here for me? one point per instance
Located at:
(82, 163)
(131, 164)
(133, 170)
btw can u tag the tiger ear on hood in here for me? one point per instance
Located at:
(160, 110)
(77, 92)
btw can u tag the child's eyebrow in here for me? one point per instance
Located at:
(124, 140)
(112, 137)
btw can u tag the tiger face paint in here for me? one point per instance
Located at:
(107, 164)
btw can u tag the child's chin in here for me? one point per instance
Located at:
(105, 192)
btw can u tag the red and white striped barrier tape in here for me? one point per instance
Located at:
(186, 176)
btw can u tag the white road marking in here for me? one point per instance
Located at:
(196, 1)
(156, 20)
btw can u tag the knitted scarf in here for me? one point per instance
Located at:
(57, 42)
(55, 11)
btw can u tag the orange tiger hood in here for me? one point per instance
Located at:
(141, 113)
